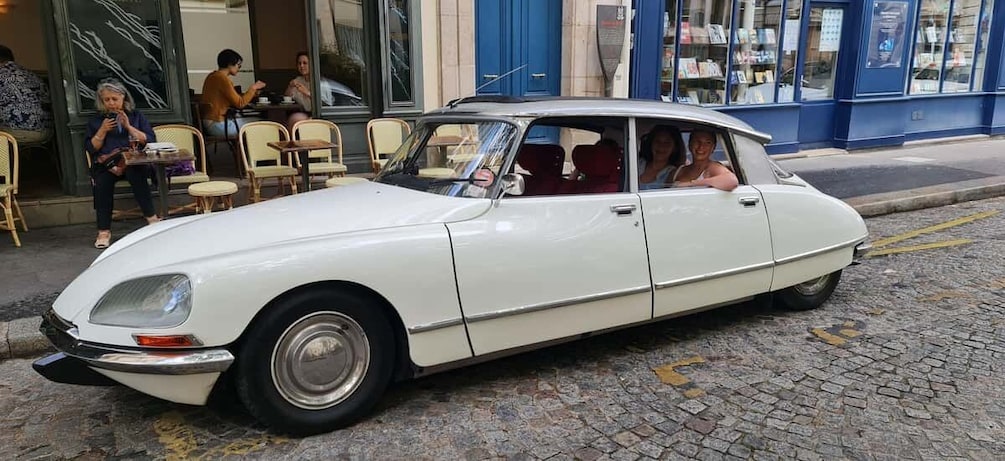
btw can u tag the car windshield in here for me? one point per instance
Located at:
(453, 159)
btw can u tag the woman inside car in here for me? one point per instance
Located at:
(661, 154)
(703, 171)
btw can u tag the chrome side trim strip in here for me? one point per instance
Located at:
(435, 325)
(714, 275)
(810, 254)
(142, 361)
(556, 304)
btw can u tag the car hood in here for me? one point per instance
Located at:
(281, 221)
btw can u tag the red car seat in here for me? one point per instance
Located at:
(601, 166)
(544, 162)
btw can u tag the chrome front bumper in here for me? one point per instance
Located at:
(63, 335)
(861, 249)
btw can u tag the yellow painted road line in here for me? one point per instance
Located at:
(927, 246)
(937, 227)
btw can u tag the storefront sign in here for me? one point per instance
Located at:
(610, 38)
(830, 29)
(886, 39)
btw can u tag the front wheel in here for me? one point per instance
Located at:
(318, 361)
(810, 294)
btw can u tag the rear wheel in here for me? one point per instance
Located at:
(810, 294)
(318, 361)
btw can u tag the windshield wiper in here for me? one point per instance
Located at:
(469, 180)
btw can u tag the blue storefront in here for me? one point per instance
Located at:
(869, 73)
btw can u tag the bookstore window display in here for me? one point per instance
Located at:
(945, 49)
(704, 52)
(983, 22)
(755, 53)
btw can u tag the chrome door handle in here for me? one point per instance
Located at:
(622, 210)
(490, 76)
(749, 201)
(538, 75)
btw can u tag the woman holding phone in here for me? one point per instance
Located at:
(117, 127)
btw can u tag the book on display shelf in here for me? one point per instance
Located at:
(769, 36)
(685, 33)
(741, 36)
(690, 68)
(769, 75)
(699, 35)
(716, 35)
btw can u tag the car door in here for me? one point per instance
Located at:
(533, 269)
(706, 246)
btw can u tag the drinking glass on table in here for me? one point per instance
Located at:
(134, 143)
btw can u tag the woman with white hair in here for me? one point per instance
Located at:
(117, 127)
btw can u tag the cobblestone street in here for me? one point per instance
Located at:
(906, 361)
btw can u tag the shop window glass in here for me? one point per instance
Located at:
(929, 46)
(962, 38)
(120, 40)
(755, 52)
(704, 50)
(342, 52)
(399, 52)
(790, 51)
(668, 67)
(983, 24)
(823, 46)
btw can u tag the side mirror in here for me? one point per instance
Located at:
(513, 184)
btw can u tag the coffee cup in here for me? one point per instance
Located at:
(263, 100)
(288, 99)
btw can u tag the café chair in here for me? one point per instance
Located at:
(190, 139)
(253, 139)
(8, 188)
(384, 136)
(321, 159)
(118, 214)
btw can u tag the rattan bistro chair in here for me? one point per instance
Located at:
(321, 159)
(253, 140)
(384, 136)
(188, 138)
(8, 187)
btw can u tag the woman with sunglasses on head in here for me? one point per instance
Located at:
(219, 95)
(117, 127)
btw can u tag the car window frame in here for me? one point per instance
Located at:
(723, 134)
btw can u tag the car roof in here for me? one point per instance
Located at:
(508, 106)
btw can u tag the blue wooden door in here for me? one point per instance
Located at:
(819, 73)
(524, 35)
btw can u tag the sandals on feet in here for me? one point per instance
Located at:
(153, 219)
(103, 240)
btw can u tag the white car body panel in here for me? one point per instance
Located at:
(187, 389)
(518, 263)
(217, 258)
(803, 223)
(699, 234)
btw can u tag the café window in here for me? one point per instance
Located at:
(121, 40)
(950, 46)
(348, 30)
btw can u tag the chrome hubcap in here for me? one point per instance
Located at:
(813, 286)
(320, 360)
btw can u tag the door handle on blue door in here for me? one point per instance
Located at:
(490, 76)
(749, 201)
(622, 210)
(538, 75)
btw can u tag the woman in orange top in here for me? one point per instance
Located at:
(218, 95)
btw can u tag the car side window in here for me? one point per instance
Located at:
(587, 159)
(665, 150)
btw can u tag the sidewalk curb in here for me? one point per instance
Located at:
(928, 197)
(21, 338)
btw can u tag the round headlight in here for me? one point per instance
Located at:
(160, 301)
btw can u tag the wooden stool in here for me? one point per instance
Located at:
(343, 181)
(206, 193)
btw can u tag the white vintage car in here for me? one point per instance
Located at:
(470, 244)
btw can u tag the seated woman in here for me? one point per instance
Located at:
(703, 171)
(661, 154)
(219, 95)
(300, 89)
(109, 132)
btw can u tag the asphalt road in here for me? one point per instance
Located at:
(905, 361)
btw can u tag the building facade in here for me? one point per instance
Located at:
(869, 73)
